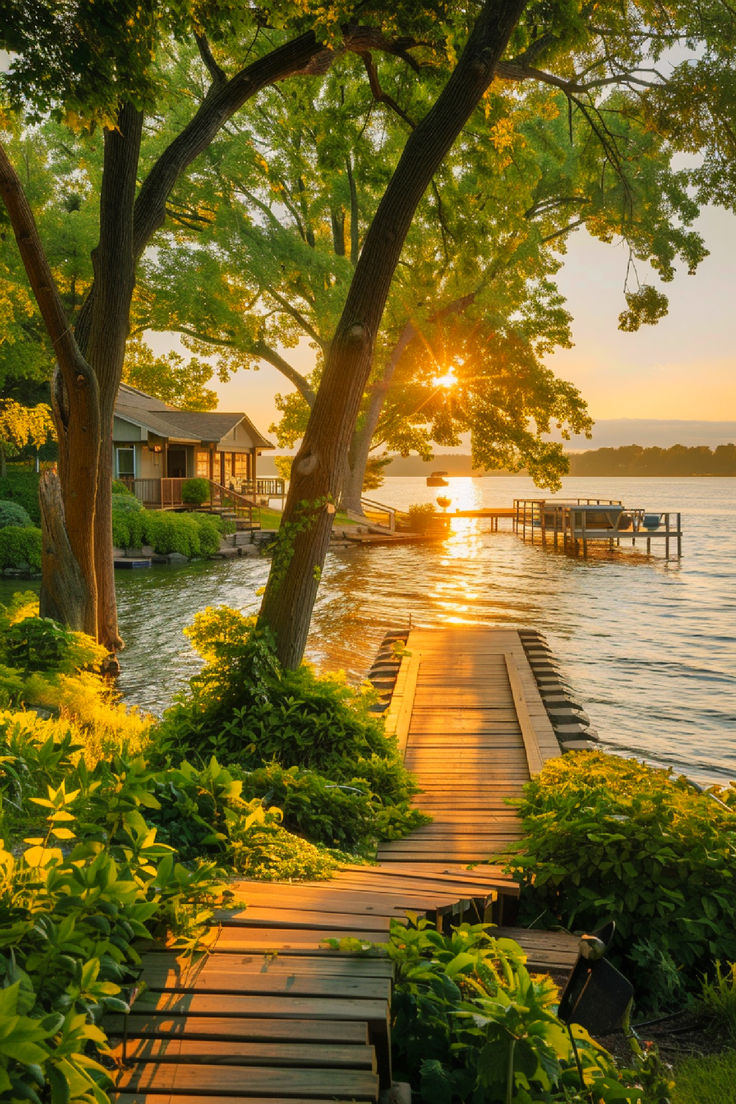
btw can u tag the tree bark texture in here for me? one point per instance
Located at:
(318, 468)
(65, 592)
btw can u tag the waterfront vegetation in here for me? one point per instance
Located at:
(609, 838)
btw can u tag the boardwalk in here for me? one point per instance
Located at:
(273, 1012)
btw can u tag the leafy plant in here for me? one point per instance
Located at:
(718, 999)
(195, 491)
(349, 785)
(609, 838)
(12, 513)
(471, 1024)
(20, 548)
(20, 485)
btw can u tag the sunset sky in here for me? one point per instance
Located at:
(682, 368)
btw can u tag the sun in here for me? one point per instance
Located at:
(448, 379)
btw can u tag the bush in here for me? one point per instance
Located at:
(125, 503)
(12, 513)
(128, 521)
(172, 533)
(247, 711)
(195, 491)
(21, 485)
(613, 839)
(120, 488)
(20, 548)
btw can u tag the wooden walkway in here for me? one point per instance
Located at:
(273, 1012)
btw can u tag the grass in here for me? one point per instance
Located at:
(271, 519)
(707, 1080)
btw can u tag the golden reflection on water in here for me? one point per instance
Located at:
(454, 599)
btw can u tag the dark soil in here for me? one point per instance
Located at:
(680, 1035)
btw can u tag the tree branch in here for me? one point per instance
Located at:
(265, 352)
(301, 55)
(378, 94)
(71, 362)
(298, 317)
(217, 74)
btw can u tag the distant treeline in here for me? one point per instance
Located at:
(638, 461)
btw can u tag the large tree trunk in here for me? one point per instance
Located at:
(114, 269)
(318, 468)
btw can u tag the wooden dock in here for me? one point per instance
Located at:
(277, 1010)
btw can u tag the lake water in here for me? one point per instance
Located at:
(648, 645)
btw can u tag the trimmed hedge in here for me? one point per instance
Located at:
(190, 535)
(20, 547)
(12, 513)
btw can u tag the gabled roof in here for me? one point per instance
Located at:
(192, 426)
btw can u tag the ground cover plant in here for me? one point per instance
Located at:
(613, 839)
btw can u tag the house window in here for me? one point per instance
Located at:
(126, 461)
(202, 463)
(240, 466)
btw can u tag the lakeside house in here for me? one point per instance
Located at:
(156, 447)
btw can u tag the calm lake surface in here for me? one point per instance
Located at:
(649, 646)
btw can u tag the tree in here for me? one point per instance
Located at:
(104, 63)
(605, 46)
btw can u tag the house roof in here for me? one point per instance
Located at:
(167, 421)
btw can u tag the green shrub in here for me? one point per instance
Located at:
(195, 491)
(350, 817)
(20, 547)
(12, 513)
(125, 503)
(120, 488)
(128, 521)
(168, 532)
(469, 1023)
(20, 485)
(350, 785)
(209, 535)
(612, 839)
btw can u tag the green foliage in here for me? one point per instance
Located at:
(718, 1000)
(67, 931)
(120, 488)
(191, 535)
(609, 838)
(20, 485)
(469, 1023)
(349, 816)
(310, 744)
(20, 547)
(12, 513)
(195, 491)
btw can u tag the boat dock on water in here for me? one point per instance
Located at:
(574, 524)
(279, 1007)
